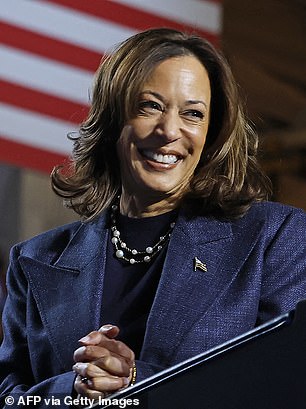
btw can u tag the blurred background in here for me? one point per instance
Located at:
(49, 51)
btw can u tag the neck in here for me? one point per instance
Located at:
(134, 206)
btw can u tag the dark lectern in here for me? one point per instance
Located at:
(262, 369)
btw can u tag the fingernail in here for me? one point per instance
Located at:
(79, 365)
(106, 328)
(126, 381)
(85, 339)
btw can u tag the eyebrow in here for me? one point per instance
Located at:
(196, 101)
(155, 94)
(161, 98)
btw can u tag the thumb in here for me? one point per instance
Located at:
(109, 330)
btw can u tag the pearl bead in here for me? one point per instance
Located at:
(122, 251)
(119, 253)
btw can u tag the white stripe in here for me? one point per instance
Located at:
(64, 24)
(38, 130)
(200, 14)
(45, 75)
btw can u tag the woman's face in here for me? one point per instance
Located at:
(161, 145)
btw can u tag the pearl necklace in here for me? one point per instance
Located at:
(133, 256)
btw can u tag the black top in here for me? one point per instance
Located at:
(129, 290)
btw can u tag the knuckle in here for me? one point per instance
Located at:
(111, 384)
(91, 371)
(132, 356)
(80, 369)
(88, 351)
(78, 353)
(121, 347)
(125, 351)
(111, 343)
(80, 387)
(104, 361)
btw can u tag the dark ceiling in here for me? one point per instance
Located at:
(265, 42)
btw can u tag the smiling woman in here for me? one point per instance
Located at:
(178, 250)
(226, 179)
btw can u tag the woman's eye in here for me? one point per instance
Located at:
(149, 106)
(194, 114)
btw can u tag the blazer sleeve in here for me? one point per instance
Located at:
(145, 370)
(284, 278)
(18, 370)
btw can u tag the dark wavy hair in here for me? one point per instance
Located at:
(227, 179)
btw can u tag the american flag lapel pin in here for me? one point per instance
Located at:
(198, 265)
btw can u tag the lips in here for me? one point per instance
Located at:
(158, 157)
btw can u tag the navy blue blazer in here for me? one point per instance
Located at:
(256, 270)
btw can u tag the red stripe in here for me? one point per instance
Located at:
(43, 103)
(131, 17)
(24, 156)
(49, 47)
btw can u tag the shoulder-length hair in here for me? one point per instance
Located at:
(227, 179)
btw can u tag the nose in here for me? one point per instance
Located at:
(168, 126)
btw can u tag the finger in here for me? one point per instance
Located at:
(107, 346)
(108, 383)
(119, 348)
(88, 370)
(102, 384)
(84, 390)
(94, 337)
(114, 365)
(90, 353)
(109, 330)
(103, 359)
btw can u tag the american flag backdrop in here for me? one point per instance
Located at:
(49, 51)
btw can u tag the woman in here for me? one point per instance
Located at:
(178, 250)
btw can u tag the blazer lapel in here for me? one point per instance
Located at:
(185, 295)
(68, 293)
(74, 283)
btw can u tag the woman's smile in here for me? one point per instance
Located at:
(159, 157)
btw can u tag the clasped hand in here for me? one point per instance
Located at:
(103, 364)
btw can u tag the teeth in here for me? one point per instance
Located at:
(158, 157)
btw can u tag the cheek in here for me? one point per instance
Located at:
(199, 139)
(123, 145)
(142, 127)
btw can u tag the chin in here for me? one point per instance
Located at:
(161, 189)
